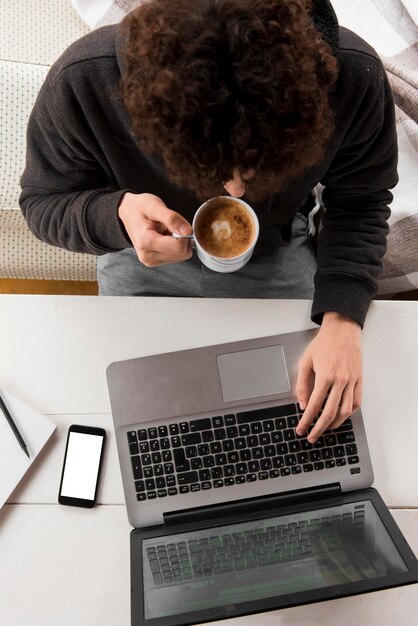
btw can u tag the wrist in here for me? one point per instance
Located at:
(332, 318)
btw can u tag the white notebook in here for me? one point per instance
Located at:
(35, 429)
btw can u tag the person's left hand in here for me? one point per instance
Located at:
(331, 370)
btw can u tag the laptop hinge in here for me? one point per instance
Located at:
(262, 504)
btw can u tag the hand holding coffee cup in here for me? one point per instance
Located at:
(225, 231)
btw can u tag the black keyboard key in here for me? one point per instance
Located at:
(152, 433)
(303, 457)
(227, 445)
(182, 464)
(156, 457)
(233, 457)
(206, 485)
(195, 487)
(220, 433)
(244, 455)
(231, 432)
(216, 472)
(296, 469)
(251, 478)
(191, 439)
(329, 464)
(168, 468)
(203, 449)
(136, 467)
(196, 464)
(172, 491)
(154, 445)
(149, 484)
(252, 441)
(308, 467)
(146, 459)
(347, 425)
(266, 464)
(256, 428)
(132, 438)
(253, 466)
(263, 475)
(289, 435)
(257, 453)
(174, 429)
(191, 452)
(142, 434)
(347, 437)
(239, 480)
(351, 449)
(294, 446)
(170, 481)
(352, 460)
(158, 470)
(133, 448)
(269, 450)
(202, 424)
(244, 429)
(268, 426)
(141, 496)
(292, 421)
(161, 493)
(290, 459)
(139, 486)
(314, 455)
(208, 461)
(341, 462)
(280, 423)
(320, 465)
(220, 459)
(215, 447)
(330, 440)
(184, 427)
(184, 489)
(264, 439)
(326, 453)
(147, 470)
(278, 462)
(338, 451)
(218, 483)
(230, 419)
(204, 474)
(207, 435)
(187, 478)
(281, 448)
(229, 470)
(160, 482)
(144, 447)
(164, 443)
(217, 421)
(276, 437)
(269, 413)
(241, 468)
(176, 441)
(229, 482)
(285, 471)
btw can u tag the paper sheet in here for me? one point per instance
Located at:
(35, 429)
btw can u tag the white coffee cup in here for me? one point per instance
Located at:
(221, 263)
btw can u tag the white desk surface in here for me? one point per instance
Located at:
(61, 566)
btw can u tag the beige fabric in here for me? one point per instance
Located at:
(24, 256)
(33, 35)
(38, 31)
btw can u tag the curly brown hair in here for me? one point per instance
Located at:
(213, 85)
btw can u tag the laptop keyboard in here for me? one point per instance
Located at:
(232, 449)
(223, 553)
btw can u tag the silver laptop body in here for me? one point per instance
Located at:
(153, 396)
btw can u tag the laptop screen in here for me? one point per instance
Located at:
(265, 558)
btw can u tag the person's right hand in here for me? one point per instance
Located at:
(149, 224)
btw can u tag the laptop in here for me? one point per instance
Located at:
(232, 512)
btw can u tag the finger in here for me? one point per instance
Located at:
(315, 404)
(329, 411)
(158, 249)
(305, 383)
(172, 221)
(346, 406)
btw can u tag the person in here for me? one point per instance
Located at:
(138, 123)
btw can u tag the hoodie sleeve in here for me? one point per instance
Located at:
(66, 197)
(352, 241)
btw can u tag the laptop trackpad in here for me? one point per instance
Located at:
(253, 373)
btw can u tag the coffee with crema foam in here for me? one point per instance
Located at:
(224, 228)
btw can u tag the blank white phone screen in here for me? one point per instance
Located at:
(81, 466)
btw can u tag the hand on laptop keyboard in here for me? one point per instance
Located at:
(330, 375)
